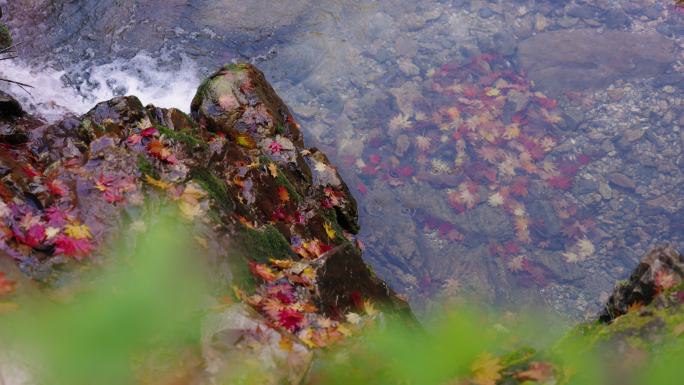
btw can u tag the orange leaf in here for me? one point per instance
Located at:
(283, 194)
(262, 271)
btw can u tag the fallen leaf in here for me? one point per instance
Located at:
(160, 184)
(283, 195)
(273, 170)
(329, 230)
(486, 369)
(77, 231)
(262, 271)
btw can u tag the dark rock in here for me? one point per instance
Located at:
(9, 107)
(588, 59)
(643, 284)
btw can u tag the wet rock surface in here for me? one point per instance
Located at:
(273, 219)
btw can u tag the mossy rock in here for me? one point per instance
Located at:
(5, 36)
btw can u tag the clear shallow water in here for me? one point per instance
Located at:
(521, 153)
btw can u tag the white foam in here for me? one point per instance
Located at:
(148, 78)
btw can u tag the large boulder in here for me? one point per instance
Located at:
(272, 219)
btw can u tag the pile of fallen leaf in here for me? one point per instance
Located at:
(481, 134)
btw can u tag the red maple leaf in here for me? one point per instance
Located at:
(149, 132)
(57, 187)
(290, 319)
(560, 182)
(275, 147)
(34, 237)
(511, 248)
(77, 248)
(56, 216)
(519, 186)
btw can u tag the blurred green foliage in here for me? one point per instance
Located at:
(151, 298)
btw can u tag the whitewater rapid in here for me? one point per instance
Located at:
(77, 89)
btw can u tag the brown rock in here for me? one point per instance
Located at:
(586, 58)
(621, 180)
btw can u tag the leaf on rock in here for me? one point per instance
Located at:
(77, 231)
(329, 230)
(486, 370)
(262, 271)
(283, 195)
(244, 140)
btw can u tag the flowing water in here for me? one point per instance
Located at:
(517, 153)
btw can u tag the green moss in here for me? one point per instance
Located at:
(5, 37)
(265, 243)
(183, 136)
(217, 189)
(146, 168)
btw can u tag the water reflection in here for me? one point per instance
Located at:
(520, 151)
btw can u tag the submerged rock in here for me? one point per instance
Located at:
(590, 59)
(271, 218)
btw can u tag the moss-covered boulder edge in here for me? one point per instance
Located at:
(272, 218)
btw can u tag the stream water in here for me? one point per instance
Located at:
(518, 153)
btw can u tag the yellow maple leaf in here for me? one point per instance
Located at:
(329, 230)
(77, 231)
(486, 369)
(273, 170)
(492, 92)
(369, 307)
(160, 184)
(285, 344)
